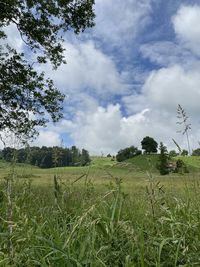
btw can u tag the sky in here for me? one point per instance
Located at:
(125, 77)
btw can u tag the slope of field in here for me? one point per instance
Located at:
(145, 162)
(149, 162)
(101, 172)
(192, 162)
(137, 164)
(102, 162)
(140, 163)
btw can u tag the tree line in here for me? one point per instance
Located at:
(47, 157)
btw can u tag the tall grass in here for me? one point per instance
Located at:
(71, 225)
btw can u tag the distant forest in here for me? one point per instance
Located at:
(47, 157)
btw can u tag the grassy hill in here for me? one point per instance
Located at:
(138, 163)
(99, 168)
(102, 162)
(193, 162)
(142, 162)
(149, 162)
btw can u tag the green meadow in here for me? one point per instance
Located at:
(104, 214)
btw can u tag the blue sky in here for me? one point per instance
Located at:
(125, 77)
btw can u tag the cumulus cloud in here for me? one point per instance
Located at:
(151, 110)
(167, 87)
(47, 138)
(185, 48)
(87, 69)
(90, 78)
(186, 27)
(165, 53)
(106, 130)
(120, 21)
(162, 92)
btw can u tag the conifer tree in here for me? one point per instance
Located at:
(163, 160)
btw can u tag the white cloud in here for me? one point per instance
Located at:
(162, 92)
(79, 101)
(185, 49)
(47, 138)
(186, 25)
(168, 87)
(167, 53)
(88, 69)
(120, 21)
(151, 112)
(106, 130)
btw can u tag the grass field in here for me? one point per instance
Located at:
(105, 214)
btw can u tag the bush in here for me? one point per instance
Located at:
(172, 153)
(196, 152)
(127, 153)
(163, 165)
(181, 167)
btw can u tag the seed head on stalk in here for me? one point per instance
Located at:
(183, 120)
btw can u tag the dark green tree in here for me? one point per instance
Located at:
(46, 159)
(127, 153)
(8, 153)
(149, 145)
(196, 152)
(75, 156)
(184, 152)
(173, 153)
(23, 90)
(181, 167)
(163, 160)
(85, 157)
(22, 155)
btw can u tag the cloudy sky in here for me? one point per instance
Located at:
(125, 77)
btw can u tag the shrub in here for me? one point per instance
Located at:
(163, 165)
(127, 153)
(181, 167)
(196, 152)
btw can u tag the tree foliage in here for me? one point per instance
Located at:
(127, 153)
(26, 95)
(149, 145)
(184, 152)
(163, 160)
(196, 152)
(181, 167)
(48, 157)
(173, 153)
